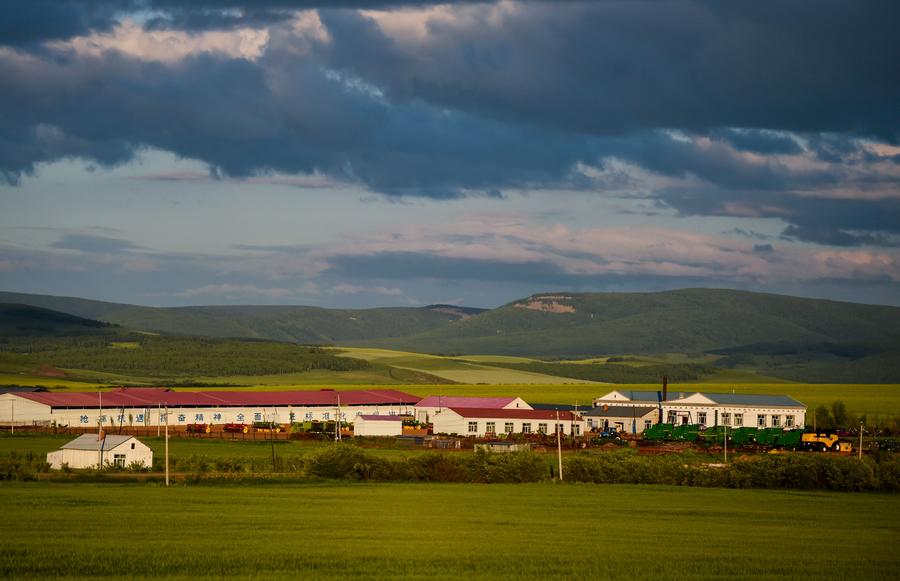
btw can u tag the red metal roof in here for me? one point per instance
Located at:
(450, 401)
(153, 397)
(515, 414)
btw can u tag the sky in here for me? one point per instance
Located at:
(404, 153)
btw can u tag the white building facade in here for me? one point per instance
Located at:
(486, 423)
(91, 450)
(433, 404)
(714, 409)
(127, 407)
(371, 425)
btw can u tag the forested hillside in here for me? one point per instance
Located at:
(295, 324)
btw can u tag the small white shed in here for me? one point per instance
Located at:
(87, 449)
(371, 425)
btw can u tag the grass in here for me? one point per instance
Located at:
(416, 531)
(184, 447)
(474, 370)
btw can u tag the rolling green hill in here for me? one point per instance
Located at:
(777, 336)
(25, 320)
(684, 321)
(279, 323)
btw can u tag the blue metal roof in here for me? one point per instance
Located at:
(753, 399)
(719, 398)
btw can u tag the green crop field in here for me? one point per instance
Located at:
(473, 370)
(433, 531)
(180, 448)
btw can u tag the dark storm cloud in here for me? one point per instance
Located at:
(836, 222)
(94, 244)
(605, 67)
(493, 98)
(32, 21)
(26, 22)
(759, 141)
(243, 118)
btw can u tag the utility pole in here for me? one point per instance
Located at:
(100, 431)
(860, 439)
(158, 417)
(559, 446)
(167, 445)
(337, 419)
(725, 443)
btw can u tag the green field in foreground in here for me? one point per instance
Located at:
(42, 444)
(433, 531)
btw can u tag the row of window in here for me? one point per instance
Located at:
(201, 417)
(737, 419)
(509, 428)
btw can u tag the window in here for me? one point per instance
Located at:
(647, 424)
(508, 427)
(326, 416)
(577, 430)
(701, 418)
(257, 417)
(240, 418)
(490, 427)
(198, 417)
(776, 421)
(218, 417)
(761, 420)
(561, 428)
(671, 417)
(739, 419)
(308, 416)
(473, 427)
(119, 460)
(526, 428)
(181, 418)
(726, 419)
(788, 421)
(542, 428)
(132, 445)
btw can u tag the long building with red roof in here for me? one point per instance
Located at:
(141, 406)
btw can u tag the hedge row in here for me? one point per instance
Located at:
(347, 462)
(793, 471)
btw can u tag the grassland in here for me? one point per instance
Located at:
(181, 448)
(410, 531)
(471, 370)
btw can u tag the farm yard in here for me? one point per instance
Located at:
(411, 531)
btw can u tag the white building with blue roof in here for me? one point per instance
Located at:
(714, 409)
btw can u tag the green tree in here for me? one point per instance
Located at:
(839, 415)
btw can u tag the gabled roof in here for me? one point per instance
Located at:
(450, 401)
(89, 442)
(153, 397)
(621, 411)
(520, 414)
(561, 407)
(629, 395)
(700, 398)
(754, 399)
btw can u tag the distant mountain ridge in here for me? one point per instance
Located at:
(296, 324)
(542, 325)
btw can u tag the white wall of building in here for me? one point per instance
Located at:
(449, 422)
(426, 413)
(132, 450)
(367, 427)
(26, 412)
